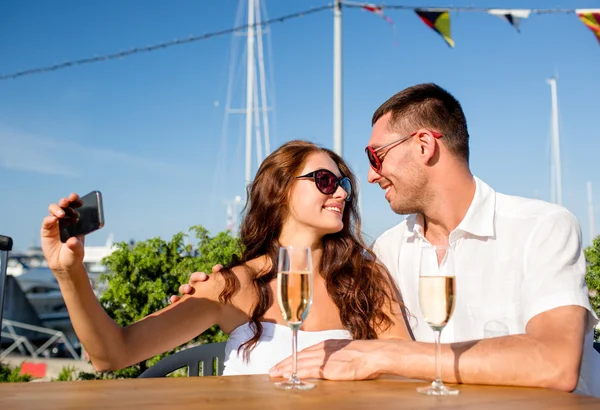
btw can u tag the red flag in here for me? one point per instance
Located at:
(379, 11)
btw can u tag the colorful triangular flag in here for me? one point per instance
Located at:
(513, 16)
(591, 18)
(438, 21)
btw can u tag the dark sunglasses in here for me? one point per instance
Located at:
(327, 182)
(376, 161)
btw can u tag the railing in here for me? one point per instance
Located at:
(25, 346)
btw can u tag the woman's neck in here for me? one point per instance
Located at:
(301, 236)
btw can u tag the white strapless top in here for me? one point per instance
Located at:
(274, 345)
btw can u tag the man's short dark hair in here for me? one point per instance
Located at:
(428, 106)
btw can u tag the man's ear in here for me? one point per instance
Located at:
(427, 146)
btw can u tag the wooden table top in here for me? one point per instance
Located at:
(248, 392)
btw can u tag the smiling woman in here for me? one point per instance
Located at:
(301, 196)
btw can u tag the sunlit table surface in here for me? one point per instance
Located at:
(258, 392)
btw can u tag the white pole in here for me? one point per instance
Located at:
(552, 178)
(249, 90)
(236, 202)
(556, 141)
(591, 213)
(263, 86)
(552, 170)
(337, 77)
(233, 214)
(257, 125)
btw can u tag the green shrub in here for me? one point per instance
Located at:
(143, 276)
(8, 375)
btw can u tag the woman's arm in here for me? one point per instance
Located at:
(111, 346)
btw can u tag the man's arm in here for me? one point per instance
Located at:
(555, 308)
(548, 355)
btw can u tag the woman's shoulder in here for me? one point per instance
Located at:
(238, 278)
(246, 272)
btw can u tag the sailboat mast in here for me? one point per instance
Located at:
(557, 176)
(249, 89)
(263, 80)
(337, 77)
(256, 92)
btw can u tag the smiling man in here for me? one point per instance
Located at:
(519, 266)
(518, 262)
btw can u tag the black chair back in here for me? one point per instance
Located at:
(191, 358)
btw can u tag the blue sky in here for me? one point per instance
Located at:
(147, 130)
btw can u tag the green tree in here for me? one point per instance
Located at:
(592, 278)
(143, 276)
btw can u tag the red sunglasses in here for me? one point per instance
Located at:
(376, 161)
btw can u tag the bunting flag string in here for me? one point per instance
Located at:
(591, 18)
(438, 18)
(161, 46)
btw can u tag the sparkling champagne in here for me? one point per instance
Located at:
(436, 297)
(294, 295)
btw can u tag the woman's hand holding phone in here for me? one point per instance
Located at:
(61, 257)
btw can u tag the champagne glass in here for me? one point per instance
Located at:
(294, 294)
(437, 291)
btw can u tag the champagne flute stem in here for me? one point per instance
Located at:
(294, 376)
(438, 358)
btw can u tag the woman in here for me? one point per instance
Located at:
(301, 195)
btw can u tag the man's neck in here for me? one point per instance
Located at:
(452, 198)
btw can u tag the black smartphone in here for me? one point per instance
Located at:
(82, 217)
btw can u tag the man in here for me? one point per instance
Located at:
(518, 262)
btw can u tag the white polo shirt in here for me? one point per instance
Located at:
(515, 258)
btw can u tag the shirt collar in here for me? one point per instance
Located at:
(478, 221)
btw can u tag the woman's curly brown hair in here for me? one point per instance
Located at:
(358, 284)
